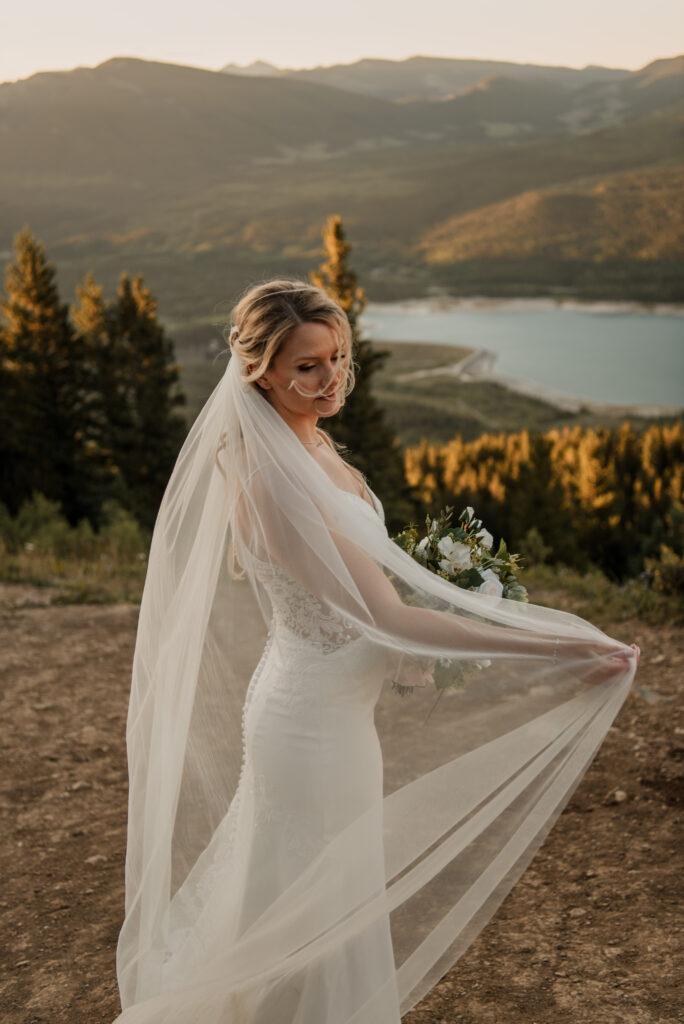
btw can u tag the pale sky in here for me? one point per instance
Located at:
(46, 35)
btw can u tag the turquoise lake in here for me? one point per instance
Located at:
(601, 352)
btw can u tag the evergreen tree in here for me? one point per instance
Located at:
(535, 497)
(106, 364)
(360, 425)
(46, 428)
(137, 376)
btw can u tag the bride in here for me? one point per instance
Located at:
(305, 845)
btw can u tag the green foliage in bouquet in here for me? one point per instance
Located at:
(463, 555)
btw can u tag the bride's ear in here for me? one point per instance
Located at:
(261, 381)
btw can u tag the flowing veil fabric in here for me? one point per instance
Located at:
(305, 845)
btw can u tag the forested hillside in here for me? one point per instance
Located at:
(608, 497)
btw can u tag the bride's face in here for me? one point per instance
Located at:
(308, 372)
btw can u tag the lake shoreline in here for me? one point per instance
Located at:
(479, 364)
(487, 303)
(618, 357)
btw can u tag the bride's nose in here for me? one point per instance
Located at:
(330, 374)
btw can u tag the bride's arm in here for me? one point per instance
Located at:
(440, 629)
(336, 570)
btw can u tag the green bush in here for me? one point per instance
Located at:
(122, 537)
(532, 548)
(592, 595)
(39, 546)
(665, 573)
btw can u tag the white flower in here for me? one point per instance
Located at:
(485, 538)
(420, 548)
(471, 511)
(456, 555)
(492, 584)
(434, 526)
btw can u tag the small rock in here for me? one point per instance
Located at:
(651, 696)
(22, 963)
(80, 784)
(97, 858)
(590, 873)
(577, 912)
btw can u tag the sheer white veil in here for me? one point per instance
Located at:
(469, 794)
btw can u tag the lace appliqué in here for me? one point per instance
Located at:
(302, 614)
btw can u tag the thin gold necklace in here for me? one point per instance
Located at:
(318, 442)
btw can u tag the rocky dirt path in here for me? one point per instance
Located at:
(588, 936)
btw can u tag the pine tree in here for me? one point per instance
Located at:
(360, 425)
(535, 497)
(138, 384)
(106, 364)
(46, 442)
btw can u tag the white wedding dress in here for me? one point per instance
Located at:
(306, 845)
(312, 765)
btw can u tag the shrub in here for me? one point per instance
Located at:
(666, 572)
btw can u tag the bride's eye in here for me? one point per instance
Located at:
(335, 358)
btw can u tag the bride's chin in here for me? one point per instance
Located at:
(324, 408)
(334, 407)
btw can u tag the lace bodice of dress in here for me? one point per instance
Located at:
(299, 613)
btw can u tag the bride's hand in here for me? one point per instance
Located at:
(609, 661)
(413, 670)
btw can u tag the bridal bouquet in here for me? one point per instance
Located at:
(463, 555)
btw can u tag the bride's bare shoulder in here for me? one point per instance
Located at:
(356, 473)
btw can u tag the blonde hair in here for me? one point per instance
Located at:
(266, 315)
(263, 319)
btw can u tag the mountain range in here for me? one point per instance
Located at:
(450, 93)
(435, 78)
(448, 174)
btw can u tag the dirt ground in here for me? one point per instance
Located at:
(588, 936)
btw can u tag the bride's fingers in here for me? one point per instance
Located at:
(623, 655)
(607, 668)
(623, 652)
